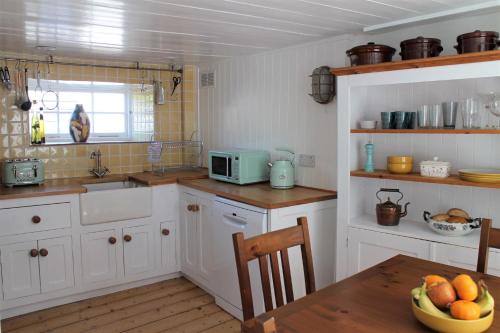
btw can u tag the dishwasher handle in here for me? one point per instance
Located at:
(235, 218)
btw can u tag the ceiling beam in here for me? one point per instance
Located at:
(434, 16)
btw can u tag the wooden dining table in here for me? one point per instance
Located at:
(375, 300)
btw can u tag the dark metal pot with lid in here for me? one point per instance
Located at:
(389, 213)
(477, 41)
(420, 47)
(370, 54)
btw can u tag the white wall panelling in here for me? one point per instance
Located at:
(262, 102)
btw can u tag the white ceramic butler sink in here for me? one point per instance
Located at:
(114, 201)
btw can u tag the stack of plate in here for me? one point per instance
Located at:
(480, 175)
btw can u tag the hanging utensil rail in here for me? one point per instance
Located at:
(52, 62)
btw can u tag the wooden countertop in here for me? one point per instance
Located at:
(375, 300)
(74, 185)
(260, 195)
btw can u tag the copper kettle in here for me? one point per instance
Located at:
(389, 213)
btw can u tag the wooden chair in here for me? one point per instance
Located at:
(258, 326)
(262, 246)
(490, 237)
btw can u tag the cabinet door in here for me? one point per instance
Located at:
(20, 269)
(205, 237)
(138, 250)
(168, 236)
(99, 256)
(369, 248)
(56, 263)
(189, 234)
(465, 257)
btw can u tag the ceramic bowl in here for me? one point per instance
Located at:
(368, 124)
(451, 229)
(452, 325)
(400, 159)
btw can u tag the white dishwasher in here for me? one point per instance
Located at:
(231, 217)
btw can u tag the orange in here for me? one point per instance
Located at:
(465, 310)
(466, 287)
(431, 279)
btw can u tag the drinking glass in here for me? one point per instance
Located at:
(435, 115)
(471, 112)
(423, 115)
(493, 105)
(449, 114)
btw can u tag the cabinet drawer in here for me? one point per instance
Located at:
(34, 218)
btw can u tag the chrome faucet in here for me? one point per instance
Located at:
(99, 170)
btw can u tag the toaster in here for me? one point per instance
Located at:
(23, 171)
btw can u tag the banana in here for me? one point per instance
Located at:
(485, 300)
(425, 303)
(415, 292)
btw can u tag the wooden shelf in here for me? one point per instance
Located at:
(419, 63)
(427, 131)
(415, 177)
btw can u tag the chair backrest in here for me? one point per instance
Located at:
(490, 237)
(269, 244)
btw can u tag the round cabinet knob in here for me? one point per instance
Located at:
(127, 238)
(190, 208)
(34, 253)
(36, 219)
(165, 232)
(44, 252)
(112, 240)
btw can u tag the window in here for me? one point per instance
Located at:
(117, 111)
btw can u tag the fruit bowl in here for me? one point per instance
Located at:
(445, 325)
(452, 229)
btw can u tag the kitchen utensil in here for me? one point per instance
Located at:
(449, 110)
(283, 172)
(400, 164)
(389, 213)
(22, 171)
(400, 119)
(2, 76)
(368, 124)
(8, 83)
(176, 80)
(471, 112)
(420, 47)
(369, 165)
(424, 116)
(159, 93)
(386, 119)
(435, 115)
(24, 102)
(435, 168)
(445, 325)
(370, 53)
(451, 229)
(477, 41)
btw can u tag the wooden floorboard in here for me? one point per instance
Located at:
(170, 306)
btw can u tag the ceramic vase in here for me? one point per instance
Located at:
(79, 124)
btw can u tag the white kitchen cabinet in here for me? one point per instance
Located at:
(465, 257)
(368, 248)
(56, 264)
(196, 225)
(99, 256)
(34, 267)
(138, 250)
(20, 270)
(168, 232)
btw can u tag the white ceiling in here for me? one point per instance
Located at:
(190, 31)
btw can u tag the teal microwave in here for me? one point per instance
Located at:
(239, 166)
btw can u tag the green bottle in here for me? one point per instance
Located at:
(42, 127)
(35, 128)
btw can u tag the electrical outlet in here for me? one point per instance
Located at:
(308, 161)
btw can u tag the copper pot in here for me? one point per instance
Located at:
(420, 47)
(477, 41)
(370, 53)
(389, 213)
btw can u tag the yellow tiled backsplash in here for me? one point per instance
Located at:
(62, 161)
